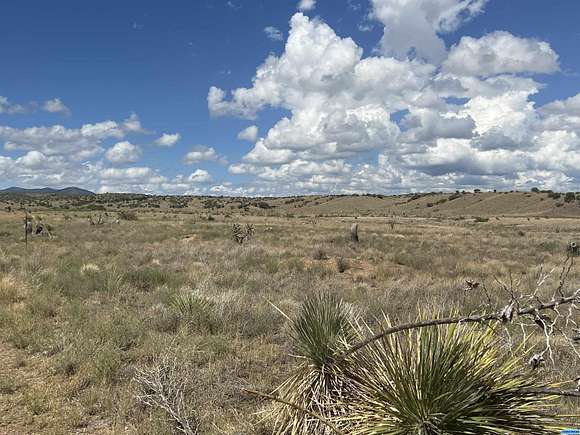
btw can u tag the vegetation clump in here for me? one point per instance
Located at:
(452, 379)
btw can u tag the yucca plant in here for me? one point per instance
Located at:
(196, 310)
(441, 380)
(324, 327)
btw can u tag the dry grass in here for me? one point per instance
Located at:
(81, 314)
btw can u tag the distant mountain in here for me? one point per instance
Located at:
(67, 191)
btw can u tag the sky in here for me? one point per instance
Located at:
(288, 97)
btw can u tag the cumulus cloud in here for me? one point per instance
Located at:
(78, 143)
(563, 115)
(133, 125)
(412, 27)
(123, 152)
(394, 123)
(413, 115)
(168, 140)
(202, 153)
(273, 33)
(56, 106)
(59, 156)
(306, 5)
(199, 176)
(51, 106)
(9, 108)
(145, 179)
(569, 106)
(249, 133)
(499, 53)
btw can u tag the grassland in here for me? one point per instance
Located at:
(82, 312)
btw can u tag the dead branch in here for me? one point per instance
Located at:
(496, 316)
(162, 387)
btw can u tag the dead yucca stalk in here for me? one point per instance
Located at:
(324, 327)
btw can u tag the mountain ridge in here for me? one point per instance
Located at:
(67, 191)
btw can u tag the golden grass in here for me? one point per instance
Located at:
(81, 312)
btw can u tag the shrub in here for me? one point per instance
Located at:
(319, 254)
(342, 264)
(570, 197)
(167, 386)
(127, 215)
(241, 235)
(148, 278)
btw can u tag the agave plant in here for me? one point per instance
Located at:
(324, 327)
(441, 380)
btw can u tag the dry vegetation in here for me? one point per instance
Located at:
(163, 321)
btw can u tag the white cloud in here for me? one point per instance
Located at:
(306, 5)
(409, 116)
(57, 140)
(199, 176)
(58, 156)
(7, 107)
(137, 173)
(168, 140)
(456, 127)
(413, 26)
(133, 125)
(33, 159)
(51, 106)
(202, 153)
(249, 133)
(499, 53)
(570, 107)
(55, 106)
(562, 114)
(261, 154)
(273, 33)
(123, 152)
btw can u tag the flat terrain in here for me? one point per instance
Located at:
(83, 312)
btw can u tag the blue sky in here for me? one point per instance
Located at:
(426, 95)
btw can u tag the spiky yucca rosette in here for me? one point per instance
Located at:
(322, 330)
(442, 380)
(434, 380)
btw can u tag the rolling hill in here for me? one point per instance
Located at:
(67, 191)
